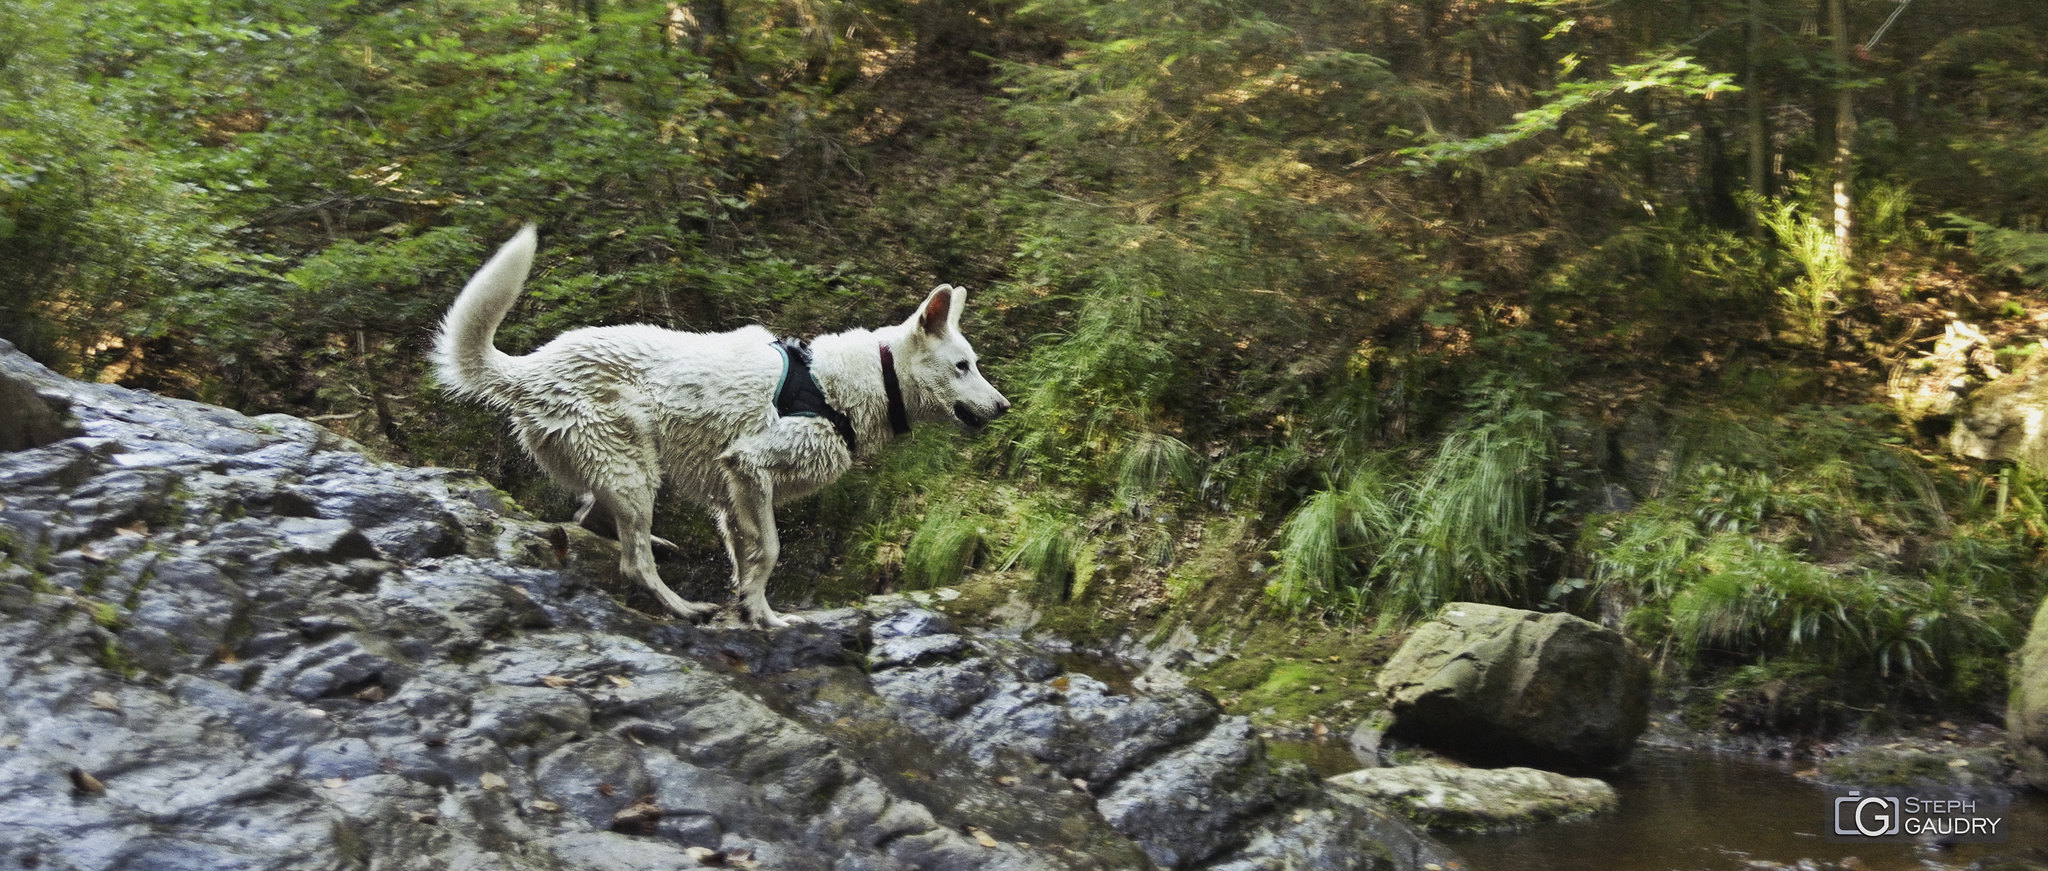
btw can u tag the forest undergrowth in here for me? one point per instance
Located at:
(1316, 318)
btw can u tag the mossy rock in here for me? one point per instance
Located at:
(1496, 685)
(2026, 718)
(1898, 766)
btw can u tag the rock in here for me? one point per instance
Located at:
(1898, 765)
(233, 642)
(2026, 717)
(2007, 419)
(1501, 685)
(1442, 797)
(1368, 739)
(27, 418)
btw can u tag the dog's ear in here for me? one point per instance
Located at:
(941, 310)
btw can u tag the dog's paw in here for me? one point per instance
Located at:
(772, 620)
(688, 610)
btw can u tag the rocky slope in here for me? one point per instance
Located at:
(238, 643)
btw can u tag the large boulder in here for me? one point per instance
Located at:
(1501, 685)
(2026, 719)
(2007, 419)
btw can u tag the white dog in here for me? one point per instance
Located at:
(735, 421)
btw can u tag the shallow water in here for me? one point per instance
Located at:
(1686, 810)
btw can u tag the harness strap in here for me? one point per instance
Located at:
(798, 394)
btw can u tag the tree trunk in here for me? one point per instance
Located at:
(1753, 90)
(1845, 131)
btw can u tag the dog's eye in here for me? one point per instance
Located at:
(962, 366)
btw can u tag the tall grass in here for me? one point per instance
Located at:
(1151, 464)
(943, 548)
(1461, 528)
(1049, 545)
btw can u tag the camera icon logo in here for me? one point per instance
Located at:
(1871, 816)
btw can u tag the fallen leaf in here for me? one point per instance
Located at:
(372, 694)
(618, 681)
(1959, 763)
(541, 804)
(557, 681)
(225, 655)
(640, 817)
(105, 701)
(1301, 816)
(981, 837)
(335, 783)
(606, 789)
(1080, 784)
(91, 554)
(1061, 683)
(10, 742)
(492, 780)
(139, 529)
(1006, 780)
(427, 817)
(86, 784)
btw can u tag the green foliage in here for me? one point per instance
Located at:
(1681, 76)
(1810, 241)
(1461, 528)
(2020, 253)
(1049, 546)
(945, 545)
(1767, 545)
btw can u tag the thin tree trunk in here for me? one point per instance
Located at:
(1845, 131)
(1753, 87)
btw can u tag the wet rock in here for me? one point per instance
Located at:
(2026, 718)
(1901, 765)
(1503, 685)
(233, 642)
(1442, 797)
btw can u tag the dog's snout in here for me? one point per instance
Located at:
(1002, 407)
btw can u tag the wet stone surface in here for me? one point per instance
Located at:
(238, 643)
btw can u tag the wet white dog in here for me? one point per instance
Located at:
(735, 421)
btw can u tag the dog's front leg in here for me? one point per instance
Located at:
(748, 524)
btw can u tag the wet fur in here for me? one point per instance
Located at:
(615, 412)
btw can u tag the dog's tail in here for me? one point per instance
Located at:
(464, 354)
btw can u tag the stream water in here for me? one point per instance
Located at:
(1692, 810)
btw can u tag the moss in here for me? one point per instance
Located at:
(112, 658)
(1288, 674)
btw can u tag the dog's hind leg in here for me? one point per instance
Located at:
(747, 522)
(633, 513)
(595, 518)
(618, 488)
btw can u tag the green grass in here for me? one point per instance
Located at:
(944, 547)
(1461, 527)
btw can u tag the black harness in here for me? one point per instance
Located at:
(800, 396)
